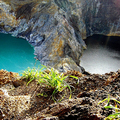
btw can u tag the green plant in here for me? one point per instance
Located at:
(42, 94)
(52, 80)
(116, 115)
(55, 81)
(31, 74)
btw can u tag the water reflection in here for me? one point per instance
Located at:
(102, 54)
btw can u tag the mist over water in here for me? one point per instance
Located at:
(16, 54)
(102, 54)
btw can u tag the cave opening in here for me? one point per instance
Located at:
(16, 54)
(102, 54)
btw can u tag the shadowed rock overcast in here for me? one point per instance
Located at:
(56, 28)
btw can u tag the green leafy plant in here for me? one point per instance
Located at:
(31, 74)
(52, 80)
(116, 115)
(55, 81)
(73, 77)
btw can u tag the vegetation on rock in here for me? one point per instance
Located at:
(50, 79)
(34, 101)
(116, 115)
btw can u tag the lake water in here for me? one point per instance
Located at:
(102, 54)
(16, 54)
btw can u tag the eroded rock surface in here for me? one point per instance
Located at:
(12, 105)
(7, 77)
(56, 27)
(22, 102)
(74, 109)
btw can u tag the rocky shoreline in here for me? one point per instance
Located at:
(18, 101)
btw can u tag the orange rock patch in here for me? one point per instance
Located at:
(6, 77)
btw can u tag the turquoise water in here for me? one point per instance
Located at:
(16, 54)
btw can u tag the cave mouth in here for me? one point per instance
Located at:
(102, 54)
(16, 54)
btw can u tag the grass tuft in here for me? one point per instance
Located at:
(116, 115)
(51, 80)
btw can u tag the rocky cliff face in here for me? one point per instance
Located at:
(56, 28)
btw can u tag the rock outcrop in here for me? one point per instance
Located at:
(19, 101)
(56, 28)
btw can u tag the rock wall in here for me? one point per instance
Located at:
(56, 28)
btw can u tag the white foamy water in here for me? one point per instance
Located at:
(102, 55)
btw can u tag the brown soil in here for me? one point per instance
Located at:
(87, 91)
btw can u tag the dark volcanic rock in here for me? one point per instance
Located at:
(56, 27)
(22, 102)
(74, 109)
